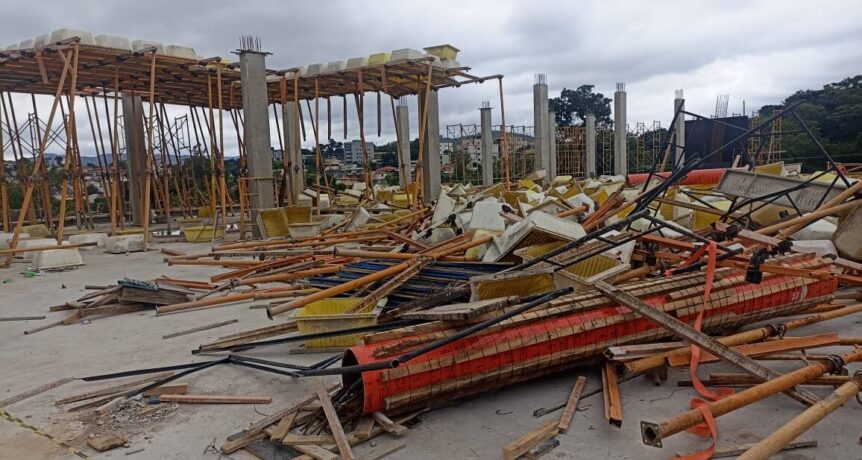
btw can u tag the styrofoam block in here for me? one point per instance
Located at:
(357, 62)
(359, 217)
(121, 244)
(12, 47)
(486, 216)
(140, 45)
(378, 58)
(582, 199)
(113, 41)
(819, 247)
(817, 230)
(449, 64)
(35, 243)
(53, 259)
(5, 238)
(439, 235)
(336, 66)
(273, 78)
(26, 44)
(331, 220)
(62, 34)
(42, 40)
(405, 53)
(185, 52)
(315, 69)
(101, 239)
(444, 207)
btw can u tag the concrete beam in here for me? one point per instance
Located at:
(258, 145)
(402, 120)
(620, 131)
(431, 149)
(487, 144)
(542, 157)
(136, 151)
(590, 154)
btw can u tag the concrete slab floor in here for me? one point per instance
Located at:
(476, 428)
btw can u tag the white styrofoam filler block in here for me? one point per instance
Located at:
(57, 259)
(113, 41)
(357, 62)
(41, 40)
(26, 44)
(101, 239)
(121, 244)
(315, 69)
(139, 45)
(444, 207)
(35, 243)
(62, 34)
(5, 238)
(817, 230)
(406, 53)
(486, 216)
(186, 52)
(336, 66)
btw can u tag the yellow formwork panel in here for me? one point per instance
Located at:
(528, 184)
(584, 269)
(772, 169)
(203, 234)
(329, 315)
(599, 197)
(519, 284)
(297, 214)
(274, 222)
(704, 219)
(443, 51)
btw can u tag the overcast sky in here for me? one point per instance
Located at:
(757, 52)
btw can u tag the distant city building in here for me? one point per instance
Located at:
(353, 151)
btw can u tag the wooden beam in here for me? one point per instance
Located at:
(611, 393)
(522, 445)
(334, 423)
(572, 405)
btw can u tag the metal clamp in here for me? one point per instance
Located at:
(837, 364)
(780, 329)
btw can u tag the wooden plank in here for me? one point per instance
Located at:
(112, 389)
(170, 388)
(106, 408)
(298, 440)
(388, 425)
(522, 445)
(572, 405)
(611, 392)
(35, 391)
(215, 399)
(283, 427)
(315, 452)
(364, 427)
(461, 311)
(199, 328)
(334, 423)
(762, 348)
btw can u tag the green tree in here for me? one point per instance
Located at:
(573, 105)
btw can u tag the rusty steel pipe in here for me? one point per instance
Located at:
(773, 443)
(653, 433)
(639, 366)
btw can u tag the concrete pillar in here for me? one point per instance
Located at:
(402, 120)
(487, 144)
(431, 149)
(292, 150)
(256, 130)
(552, 145)
(540, 123)
(590, 154)
(136, 152)
(620, 131)
(679, 128)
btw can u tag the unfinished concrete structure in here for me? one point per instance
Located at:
(620, 131)
(678, 140)
(136, 151)
(292, 151)
(256, 138)
(431, 179)
(591, 145)
(487, 144)
(402, 125)
(542, 156)
(552, 144)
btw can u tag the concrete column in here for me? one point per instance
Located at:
(590, 154)
(540, 123)
(487, 144)
(292, 150)
(552, 145)
(136, 152)
(679, 128)
(402, 120)
(431, 149)
(256, 131)
(620, 132)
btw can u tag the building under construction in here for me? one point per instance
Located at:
(486, 288)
